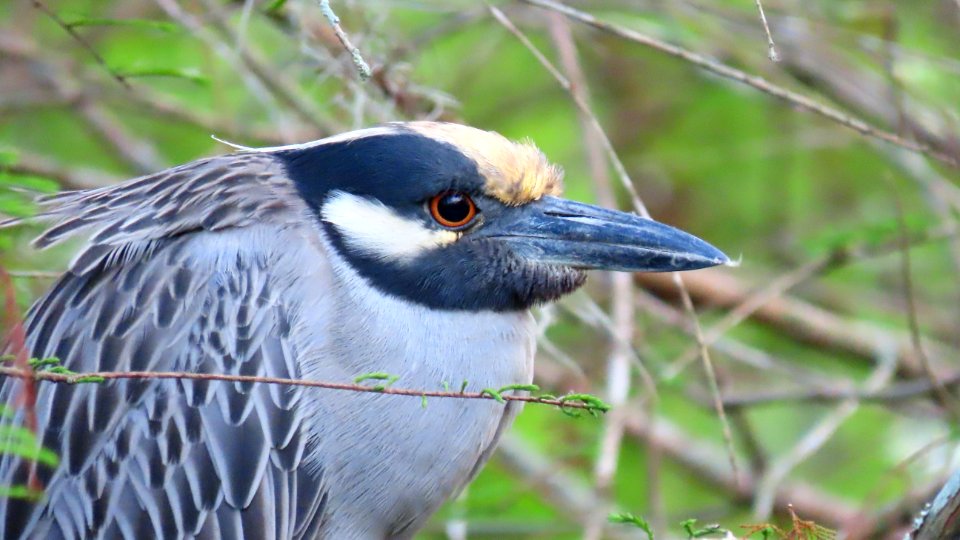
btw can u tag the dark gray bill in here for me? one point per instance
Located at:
(559, 231)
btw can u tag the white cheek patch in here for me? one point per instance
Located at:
(374, 229)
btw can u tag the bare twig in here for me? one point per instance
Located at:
(824, 394)
(772, 53)
(588, 116)
(34, 274)
(750, 305)
(67, 176)
(803, 321)
(264, 83)
(571, 401)
(701, 457)
(755, 81)
(83, 43)
(362, 68)
(813, 440)
(139, 154)
(581, 106)
(947, 401)
(711, 375)
(622, 309)
(564, 490)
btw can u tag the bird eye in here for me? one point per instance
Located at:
(452, 209)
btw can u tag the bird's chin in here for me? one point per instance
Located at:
(548, 283)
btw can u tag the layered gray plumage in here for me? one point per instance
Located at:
(215, 267)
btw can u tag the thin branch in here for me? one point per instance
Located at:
(570, 401)
(801, 320)
(747, 355)
(137, 153)
(559, 487)
(83, 43)
(751, 304)
(265, 84)
(711, 375)
(772, 53)
(362, 68)
(34, 274)
(67, 176)
(755, 81)
(581, 106)
(947, 401)
(701, 458)
(588, 116)
(622, 308)
(893, 393)
(768, 485)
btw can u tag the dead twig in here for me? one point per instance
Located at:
(772, 53)
(947, 401)
(362, 68)
(83, 43)
(890, 394)
(620, 287)
(587, 115)
(754, 81)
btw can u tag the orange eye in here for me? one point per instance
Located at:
(452, 209)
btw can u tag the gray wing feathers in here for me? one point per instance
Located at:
(128, 219)
(170, 459)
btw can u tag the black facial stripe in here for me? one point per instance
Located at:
(464, 276)
(404, 171)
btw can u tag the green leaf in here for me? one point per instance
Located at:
(527, 387)
(88, 379)
(494, 394)
(275, 6)
(148, 24)
(27, 181)
(20, 492)
(593, 404)
(378, 376)
(8, 156)
(188, 74)
(20, 441)
(631, 519)
(373, 376)
(689, 524)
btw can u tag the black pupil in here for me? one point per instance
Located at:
(454, 207)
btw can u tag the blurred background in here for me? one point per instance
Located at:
(833, 346)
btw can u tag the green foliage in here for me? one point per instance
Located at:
(692, 531)
(21, 442)
(188, 74)
(636, 521)
(378, 376)
(145, 24)
(751, 174)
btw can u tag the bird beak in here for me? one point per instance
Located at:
(563, 232)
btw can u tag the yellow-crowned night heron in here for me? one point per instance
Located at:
(414, 249)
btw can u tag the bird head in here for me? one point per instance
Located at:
(457, 218)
